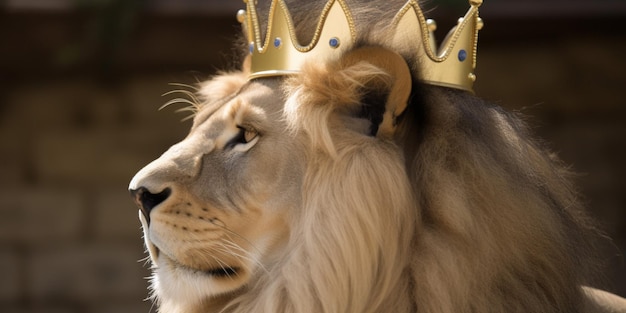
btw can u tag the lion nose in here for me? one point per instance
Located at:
(147, 200)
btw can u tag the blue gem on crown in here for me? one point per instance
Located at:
(334, 42)
(277, 42)
(462, 55)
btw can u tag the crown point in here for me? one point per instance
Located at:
(476, 2)
(334, 42)
(241, 16)
(432, 25)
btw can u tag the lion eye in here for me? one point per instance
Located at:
(244, 136)
(249, 135)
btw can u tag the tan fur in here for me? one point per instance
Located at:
(445, 205)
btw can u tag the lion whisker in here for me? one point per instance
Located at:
(190, 94)
(145, 260)
(192, 107)
(188, 117)
(179, 100)
(228, 231)
(187, 109)
(194, 88)
(226, 247)
(186, 92)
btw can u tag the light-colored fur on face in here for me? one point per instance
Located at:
(362, 190)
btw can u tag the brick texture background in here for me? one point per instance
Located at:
(72, 136)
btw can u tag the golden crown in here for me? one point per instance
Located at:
(450, 65)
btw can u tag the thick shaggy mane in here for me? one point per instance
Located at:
(501, 227)
(503, 230)
(459, 212)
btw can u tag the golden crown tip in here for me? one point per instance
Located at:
(476, 2)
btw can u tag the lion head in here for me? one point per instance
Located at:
(353, 187)
(272, 176)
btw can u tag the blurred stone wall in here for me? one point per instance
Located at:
(70, 236)
(71, 137)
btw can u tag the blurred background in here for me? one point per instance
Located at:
(81, 81)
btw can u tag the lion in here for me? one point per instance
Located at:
(351, 186)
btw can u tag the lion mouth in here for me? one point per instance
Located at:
(224, 271)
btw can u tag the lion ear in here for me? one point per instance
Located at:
(384, 81)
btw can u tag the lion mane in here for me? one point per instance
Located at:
(353, 187)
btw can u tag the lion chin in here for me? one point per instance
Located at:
(353, 187)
